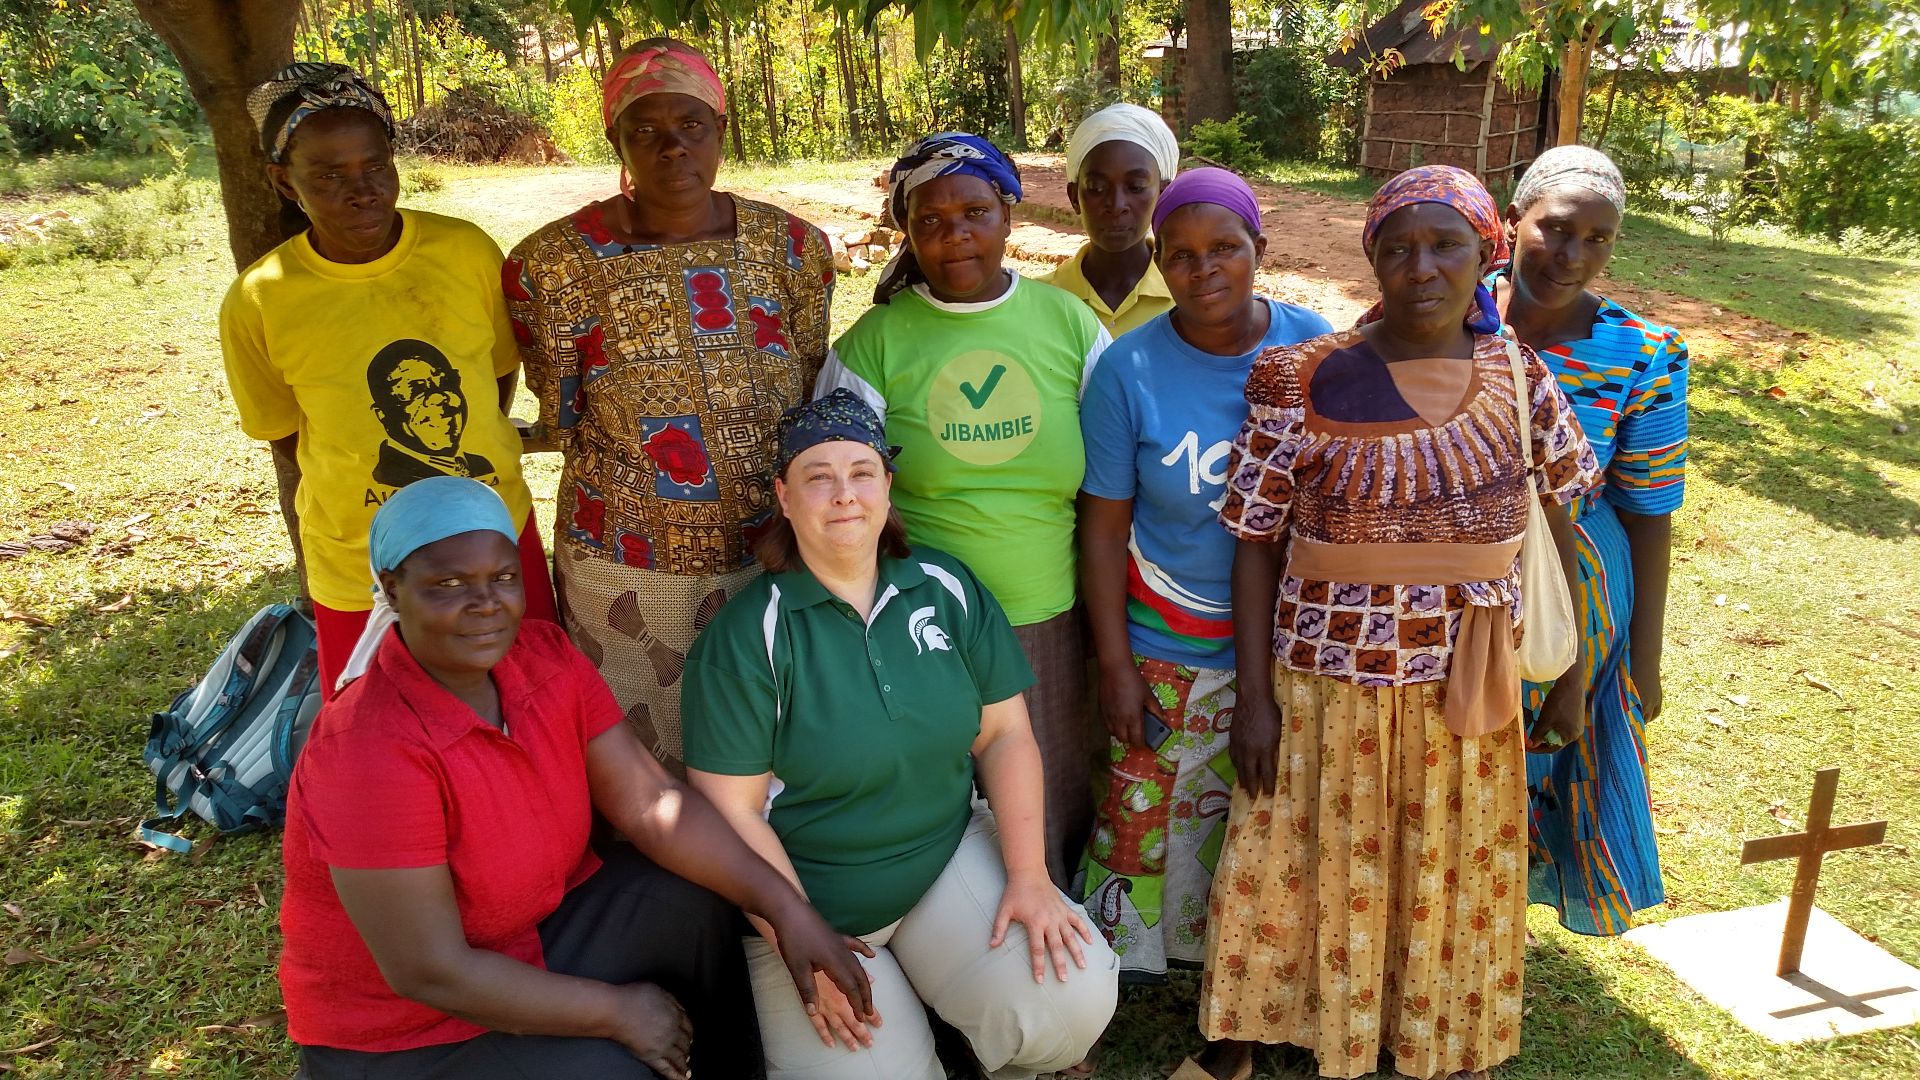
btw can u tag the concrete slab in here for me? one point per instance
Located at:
(1846, 984)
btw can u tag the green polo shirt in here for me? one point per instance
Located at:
(867, 727)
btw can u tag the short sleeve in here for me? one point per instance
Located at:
(267, 406)
(595, 704)
(1648, 472)
(812, 298)
(373, 803)
(1260, 469)
(1564, 467)
(541, 330)
(999, 664)
(728, 701)
(1109, 430)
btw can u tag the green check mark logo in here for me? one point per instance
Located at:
(978, 398)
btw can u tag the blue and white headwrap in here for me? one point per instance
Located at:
(944, 154)
(424, 512)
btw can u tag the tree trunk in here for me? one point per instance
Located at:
(880, 92)
(766, 86)
(1016, 91)
(420, 60)
(733, 83)
(1208, 79)
(849, 86)
(1574, 66)
(1107, 57)
(226, 48)
(373, 48)
(599, 55)
(1606, 114)
(616, 38)
(546, 50)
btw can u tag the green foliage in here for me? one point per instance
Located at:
(89, 75)
(1295, 102)
(1227, 142)
(575, 124)
(1855, 177)
(1725, 159)
(420, 179)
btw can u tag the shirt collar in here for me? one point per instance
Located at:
(444, 717)
(1072, 276)
(800, 589)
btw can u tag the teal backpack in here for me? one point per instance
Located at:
(225, 749)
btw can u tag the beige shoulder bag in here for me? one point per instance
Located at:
(1547, 645)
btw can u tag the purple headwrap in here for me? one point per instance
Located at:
(1460, 190)
(1209, 185)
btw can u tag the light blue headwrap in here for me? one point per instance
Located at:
(424, 512)
(427, 512)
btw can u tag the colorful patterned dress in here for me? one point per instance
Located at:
(1376, 900)
(661, 370)
(1590, 820)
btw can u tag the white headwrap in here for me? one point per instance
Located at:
(1129, 123)
(1575, 165)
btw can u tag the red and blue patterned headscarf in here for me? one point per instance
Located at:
(1460, 190)
(944, 154)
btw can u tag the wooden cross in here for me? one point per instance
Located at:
(1808, 847)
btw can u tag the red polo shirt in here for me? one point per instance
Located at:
(400, 774)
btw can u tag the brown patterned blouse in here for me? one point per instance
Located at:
(1342, 448)
(661, 370)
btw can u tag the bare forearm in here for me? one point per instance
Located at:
(507, 384)
(1103, 578)
(1010, 772)
(1255, 585)
(1566, 547)
(1650, 545)
(503, 994)
(684, 833)
(286, 478)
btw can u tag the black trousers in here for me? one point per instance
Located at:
(630, 922)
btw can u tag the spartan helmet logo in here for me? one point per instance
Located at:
(926, 636)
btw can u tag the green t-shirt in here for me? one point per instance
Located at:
(984, 402)
(866, 728)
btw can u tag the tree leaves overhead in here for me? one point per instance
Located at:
(1838, 48)
(1048, 23)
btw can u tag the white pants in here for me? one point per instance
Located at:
(937, 957)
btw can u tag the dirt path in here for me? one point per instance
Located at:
(1313, 245)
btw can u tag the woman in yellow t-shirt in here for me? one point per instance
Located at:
(370, 350)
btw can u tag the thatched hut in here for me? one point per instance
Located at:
(1422, 109)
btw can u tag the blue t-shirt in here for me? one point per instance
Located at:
(1158, 420)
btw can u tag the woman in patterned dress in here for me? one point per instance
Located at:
(1590, 816)
(1371, 896)
(664, 329)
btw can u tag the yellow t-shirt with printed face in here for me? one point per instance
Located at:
(388, 373)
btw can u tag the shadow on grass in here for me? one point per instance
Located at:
(141, 962)
(1821, 457)
(1573, 1028)
(1821, 292)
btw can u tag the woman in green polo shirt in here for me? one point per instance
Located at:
(836, 711)
(977, 374)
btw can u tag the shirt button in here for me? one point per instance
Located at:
(886, 688)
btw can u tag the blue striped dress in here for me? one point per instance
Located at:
(1590, 822)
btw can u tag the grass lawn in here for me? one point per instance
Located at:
(1797, 554)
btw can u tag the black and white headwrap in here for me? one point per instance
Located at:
(299, 90)
(935, 156)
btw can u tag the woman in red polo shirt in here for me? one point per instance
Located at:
(444, 915)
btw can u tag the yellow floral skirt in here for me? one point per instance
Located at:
(1377, 901)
